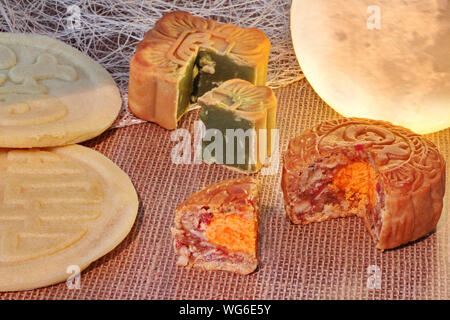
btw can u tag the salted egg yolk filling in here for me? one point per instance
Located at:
(358, 182)
(233, 232)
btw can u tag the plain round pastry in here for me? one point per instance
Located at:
(51, 94)
(385, 60)
(61, 209)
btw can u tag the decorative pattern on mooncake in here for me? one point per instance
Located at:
(59, 207)
(51, 94)
(390, 176)
(185, 56)
(217, 227)
(244, 115)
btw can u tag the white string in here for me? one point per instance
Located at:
(110, 29)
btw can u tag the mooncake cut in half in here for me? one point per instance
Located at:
(244, 115)
(217, 227)
(391, 177)
(51, 94)
(183, 57)
(60, 209)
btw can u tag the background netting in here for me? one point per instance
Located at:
(108, 30)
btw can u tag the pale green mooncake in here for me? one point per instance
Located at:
(233, 112)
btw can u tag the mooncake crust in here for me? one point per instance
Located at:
(88, 204)
(215, 196)
(91, 97)
(253, 103)
(410, 169)
(165, 51)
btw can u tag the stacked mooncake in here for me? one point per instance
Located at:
(63, 205)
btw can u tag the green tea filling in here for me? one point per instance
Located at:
(232, 145)
(205, 72)
(213, 69)
(185, 88)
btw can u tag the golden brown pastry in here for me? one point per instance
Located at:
(217, 227)
(183, 57)
(386, 174)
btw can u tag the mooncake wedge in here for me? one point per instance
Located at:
(391, 177)
(217, 227)
(51, 94)
(61, 209)
(245, 116)
(185, 56)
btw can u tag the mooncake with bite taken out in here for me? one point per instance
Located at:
(391, 177)
(217, 227)
(185, 56)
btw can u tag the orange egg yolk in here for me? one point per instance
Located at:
(233, 232)
(358, 182)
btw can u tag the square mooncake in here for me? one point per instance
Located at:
(185, 56)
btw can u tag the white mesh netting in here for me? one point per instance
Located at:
(108, 30)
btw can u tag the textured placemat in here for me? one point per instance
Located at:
(330, 260)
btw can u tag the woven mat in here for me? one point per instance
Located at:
(329, 260)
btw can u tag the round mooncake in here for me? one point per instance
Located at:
(391, 177)
(51, 94)
(61, 209)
